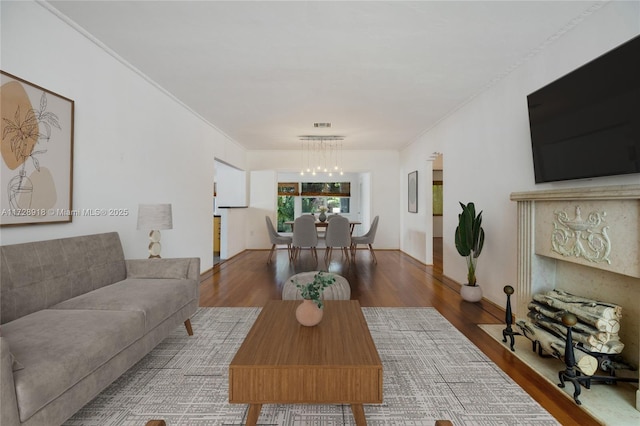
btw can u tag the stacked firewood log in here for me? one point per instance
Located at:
(595, 332)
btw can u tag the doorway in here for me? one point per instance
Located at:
(438, 203)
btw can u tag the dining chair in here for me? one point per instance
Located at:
(304, 235)
(367, 238)
(276, 239)
(323, 234)
(338, 235)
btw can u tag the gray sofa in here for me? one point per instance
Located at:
(75, 315)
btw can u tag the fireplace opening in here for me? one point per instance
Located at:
(582, 332)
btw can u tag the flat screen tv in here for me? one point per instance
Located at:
(587, 123)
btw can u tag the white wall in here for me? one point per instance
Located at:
(133, 142)
(231, 186)
(232, 231)
(487, 152)
(263, 202)
(384, 169)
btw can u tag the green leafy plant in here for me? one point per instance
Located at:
(470, 238)
(313, 290)
(285, 211)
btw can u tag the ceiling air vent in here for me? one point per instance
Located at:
(322, 125)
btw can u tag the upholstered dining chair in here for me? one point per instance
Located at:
(276, 239)
(367, 238)
(323, 234)
(304, 235)
(338, 235)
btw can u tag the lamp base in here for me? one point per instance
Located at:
(154, 244)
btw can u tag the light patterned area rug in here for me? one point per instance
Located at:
(431, 371)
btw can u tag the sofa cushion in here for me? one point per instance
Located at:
(158, 268)
(40, 274)
(166, 297)
(58, 348)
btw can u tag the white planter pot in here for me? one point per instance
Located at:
(471, 293)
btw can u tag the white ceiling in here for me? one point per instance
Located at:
(381, 72)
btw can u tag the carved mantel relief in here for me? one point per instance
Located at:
(601, 234)
(585, 238)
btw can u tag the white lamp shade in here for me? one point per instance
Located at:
(154, 216)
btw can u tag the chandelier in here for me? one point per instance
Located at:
(321, 154)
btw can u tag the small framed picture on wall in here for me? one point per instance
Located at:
(413, 192)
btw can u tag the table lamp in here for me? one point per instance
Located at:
(154, 217)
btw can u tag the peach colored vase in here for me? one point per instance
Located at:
(308, 313)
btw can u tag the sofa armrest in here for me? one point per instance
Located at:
(177, 268)
(8, 402)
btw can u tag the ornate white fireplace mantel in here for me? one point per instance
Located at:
(585, 241)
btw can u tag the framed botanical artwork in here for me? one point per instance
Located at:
(413, 192)
(37, 154)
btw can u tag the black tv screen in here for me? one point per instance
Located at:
(587, 123)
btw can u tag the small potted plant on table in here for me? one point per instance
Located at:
(309, 312)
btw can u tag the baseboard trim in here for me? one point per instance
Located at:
(487, 305)
(207, 274)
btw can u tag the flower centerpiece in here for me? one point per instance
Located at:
(323, 211)
(309, 312)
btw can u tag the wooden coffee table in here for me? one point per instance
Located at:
(283, 362)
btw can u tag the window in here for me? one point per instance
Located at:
(340, 189)
(285, 212)
(288, 188)
(338, 204)
(334, 195)
(334, 204)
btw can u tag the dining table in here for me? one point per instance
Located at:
(320, 224)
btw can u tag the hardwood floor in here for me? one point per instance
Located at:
(397, 280)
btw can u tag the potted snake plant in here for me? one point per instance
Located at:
(469, 241)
